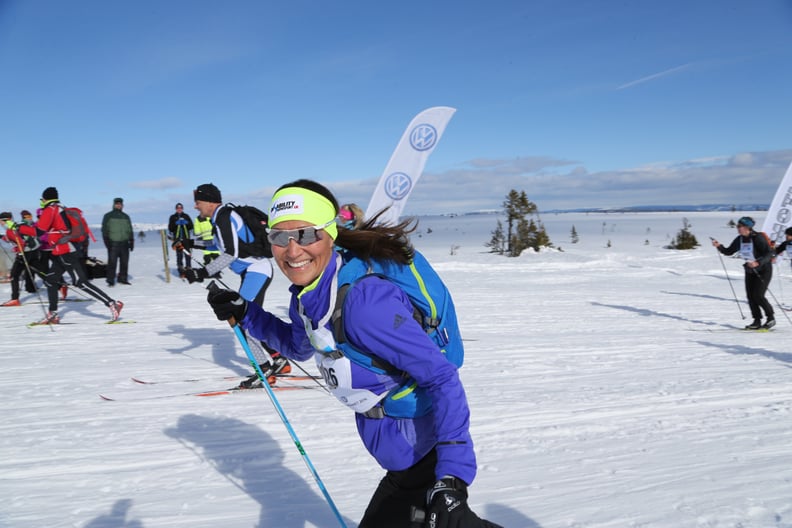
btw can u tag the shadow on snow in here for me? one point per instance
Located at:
(251, 460)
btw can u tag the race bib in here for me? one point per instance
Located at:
(746, 251)
(337, 374)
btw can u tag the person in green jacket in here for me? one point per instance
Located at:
(119, 239)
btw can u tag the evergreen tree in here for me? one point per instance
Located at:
(522, 232)
(497, 243)
(685, 239)
(517, 207)
(573, 235)
(541, 239)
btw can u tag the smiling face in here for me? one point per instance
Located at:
(303, 264)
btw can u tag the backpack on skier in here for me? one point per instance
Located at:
(78, 230)
(255, 243)
(432, 308)
(770, 244)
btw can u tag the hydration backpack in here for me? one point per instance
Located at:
(432, 308)
(770, 244)
(78, 230)
(254, 242)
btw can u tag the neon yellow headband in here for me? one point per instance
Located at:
(296, 203)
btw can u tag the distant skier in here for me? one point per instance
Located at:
(786, 245)
(758, 255)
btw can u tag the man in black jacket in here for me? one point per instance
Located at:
(180, 228)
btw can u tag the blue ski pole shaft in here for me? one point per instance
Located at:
(241, 336)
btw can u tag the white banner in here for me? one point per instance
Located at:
(407, 163)
(779, 216)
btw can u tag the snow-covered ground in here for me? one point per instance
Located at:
(607, 387)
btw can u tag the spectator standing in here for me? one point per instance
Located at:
(119, 240)
(180, 228)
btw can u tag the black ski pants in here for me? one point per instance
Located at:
(756, 284)
(117, 258)
(392, 502)
(70, 263)
(19, 269)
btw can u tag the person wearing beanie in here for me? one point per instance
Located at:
(119, 239)
(208, 193)
(386, 355)
(180, 228)
(756, 251)
(231, 237)
(50, 194)
(33, 255)
(64, 257)
(25, 247)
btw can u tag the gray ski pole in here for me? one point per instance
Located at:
(729, 280)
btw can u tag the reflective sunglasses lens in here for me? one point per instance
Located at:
(304, 237)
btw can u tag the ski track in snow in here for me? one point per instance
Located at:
(593, 403)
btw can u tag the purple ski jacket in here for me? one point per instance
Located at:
(379, 320)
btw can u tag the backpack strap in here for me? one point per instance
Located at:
(337, 321)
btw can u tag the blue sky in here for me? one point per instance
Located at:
(579, 104)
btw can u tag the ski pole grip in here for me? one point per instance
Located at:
(213, 287)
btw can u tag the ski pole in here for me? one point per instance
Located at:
(729, 280)
(30, 274)
(260, 348)
(275, 403)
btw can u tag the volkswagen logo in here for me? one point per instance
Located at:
(423, 137)
(398, 185)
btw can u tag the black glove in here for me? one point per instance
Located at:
(227, 304)
(106, 242)
(131, 246)
(195, 274)
(446, 505)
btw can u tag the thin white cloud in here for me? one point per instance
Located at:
(654, 76)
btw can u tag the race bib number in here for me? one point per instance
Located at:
(746, 250)
(337, 374)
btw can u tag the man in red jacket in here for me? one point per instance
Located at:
(52, 227)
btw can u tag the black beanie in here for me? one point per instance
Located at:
(50, 193)
(208, 193)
